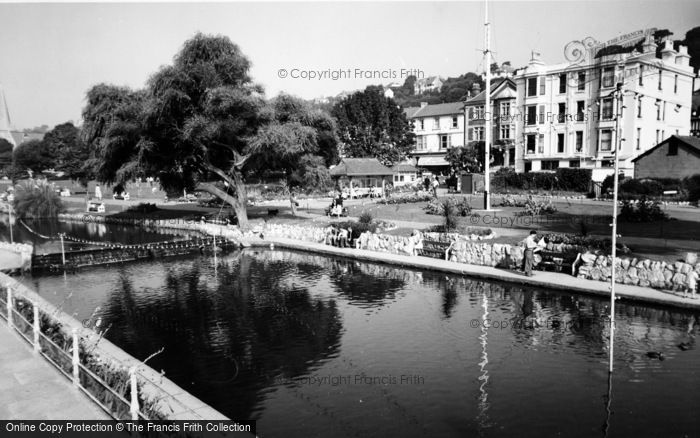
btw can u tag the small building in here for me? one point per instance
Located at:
(676, 157)
(405, 173)
(361, 173)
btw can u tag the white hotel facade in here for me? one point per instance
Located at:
(564, 114)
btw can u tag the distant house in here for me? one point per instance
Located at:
(432, 83)
(355, 173)
(405, 173)
(676, 157)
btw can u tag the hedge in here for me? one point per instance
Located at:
(687, 188)
(569, 179)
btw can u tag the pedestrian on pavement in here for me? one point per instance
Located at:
(531, 246)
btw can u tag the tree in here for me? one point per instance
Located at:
(37, 199)
(692, 41)
(465, 159)
(33, 155)
(200, 124)
(5, 153)
(372, 125)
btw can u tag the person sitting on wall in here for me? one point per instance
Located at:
(330, 235)
(344, 237)
(417, 239)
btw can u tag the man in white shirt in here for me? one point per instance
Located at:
(531, 246)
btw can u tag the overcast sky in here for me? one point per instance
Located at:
(52, 53)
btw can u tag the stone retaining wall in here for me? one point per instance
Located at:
(648, 273)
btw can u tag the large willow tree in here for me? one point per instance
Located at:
(200, 124)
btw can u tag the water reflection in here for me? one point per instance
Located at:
(243, 333)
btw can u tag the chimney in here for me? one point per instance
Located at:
(667, 53)
(536, 58)
(476, 88)
(423, 104)
(683, 59)
(649, 45)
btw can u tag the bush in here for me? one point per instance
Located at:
(460, 207)
(366, 217)
(407, 197)
(570, 179)
(691, 184)
(143, 207)
(536, 208)
(36, 199)
(642, 211)
(574, 179)
(449, 216)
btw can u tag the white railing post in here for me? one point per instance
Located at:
(76, 358)
(37, 328)
(9, 307)
(134, 407)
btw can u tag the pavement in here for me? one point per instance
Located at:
(32, 389)
(549, 280)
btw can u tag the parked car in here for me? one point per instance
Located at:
(123, 196)
(96, 207)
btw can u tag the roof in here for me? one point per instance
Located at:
(693, 143)
(440, 109)
(360, 167)
(494, 87)
(410, 111)
(432, 161)
(404, 167)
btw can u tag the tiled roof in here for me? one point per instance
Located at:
(404, 167)
(359, 167)
(410, 111)
(482, 96)
(692, 142)
(440, 109)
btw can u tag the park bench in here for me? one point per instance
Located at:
(434, 249)
(556, 261)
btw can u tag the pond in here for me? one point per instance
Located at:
(311, 345)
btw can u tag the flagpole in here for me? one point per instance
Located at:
(487, 108)
(618, 97)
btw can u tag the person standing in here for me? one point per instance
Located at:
(293, 202)
(436, 184)
(531, 246)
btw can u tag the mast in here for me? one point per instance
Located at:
(487, 108)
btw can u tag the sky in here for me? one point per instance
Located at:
(52, 53)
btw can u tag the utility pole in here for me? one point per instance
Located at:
(618, 144)
(487, 109)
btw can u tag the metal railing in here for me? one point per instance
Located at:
(116, 391)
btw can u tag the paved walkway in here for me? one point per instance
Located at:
(32, 389)
(549, 280)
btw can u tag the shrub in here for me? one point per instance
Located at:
(460, 207)
(143, 207)
(449, 216)
(37, 199)
(691, 185)
(407, 197)
(366, 217)
(642, 211)
(574, 179)
(535, 208)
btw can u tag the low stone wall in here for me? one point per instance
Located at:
(23, 249)
(648, 273)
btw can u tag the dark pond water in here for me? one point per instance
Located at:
(36, 232)
(317, 346)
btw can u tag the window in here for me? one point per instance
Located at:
(658, 109)
(639, 106)
(479, 133)
(422, 124)
(663, 135)
(532, 114)
(575, 163)
(580, 109)
(560, 143)
(607, 78)
(445, 141)
(562, 83)
(579, 141)
(605, 140)
(470, 134)
(540, 144)
(639, 139)
(663, 111)
(420, 142)
(661, 79)
(531, 142)
(531, 87)
(641, 75)
(581, 81)
(675, 84)
(550, 165)
(455, 122)
(505, 132)
(606, 110)
(541, 114)
(658, 136)
(528, 166)
(561, 117)
(672, 147)
(436, 123)
(542, 85)
(505, 109)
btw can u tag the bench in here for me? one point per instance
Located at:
(555, 261)
(434, 249)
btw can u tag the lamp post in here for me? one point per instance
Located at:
(487, 108)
